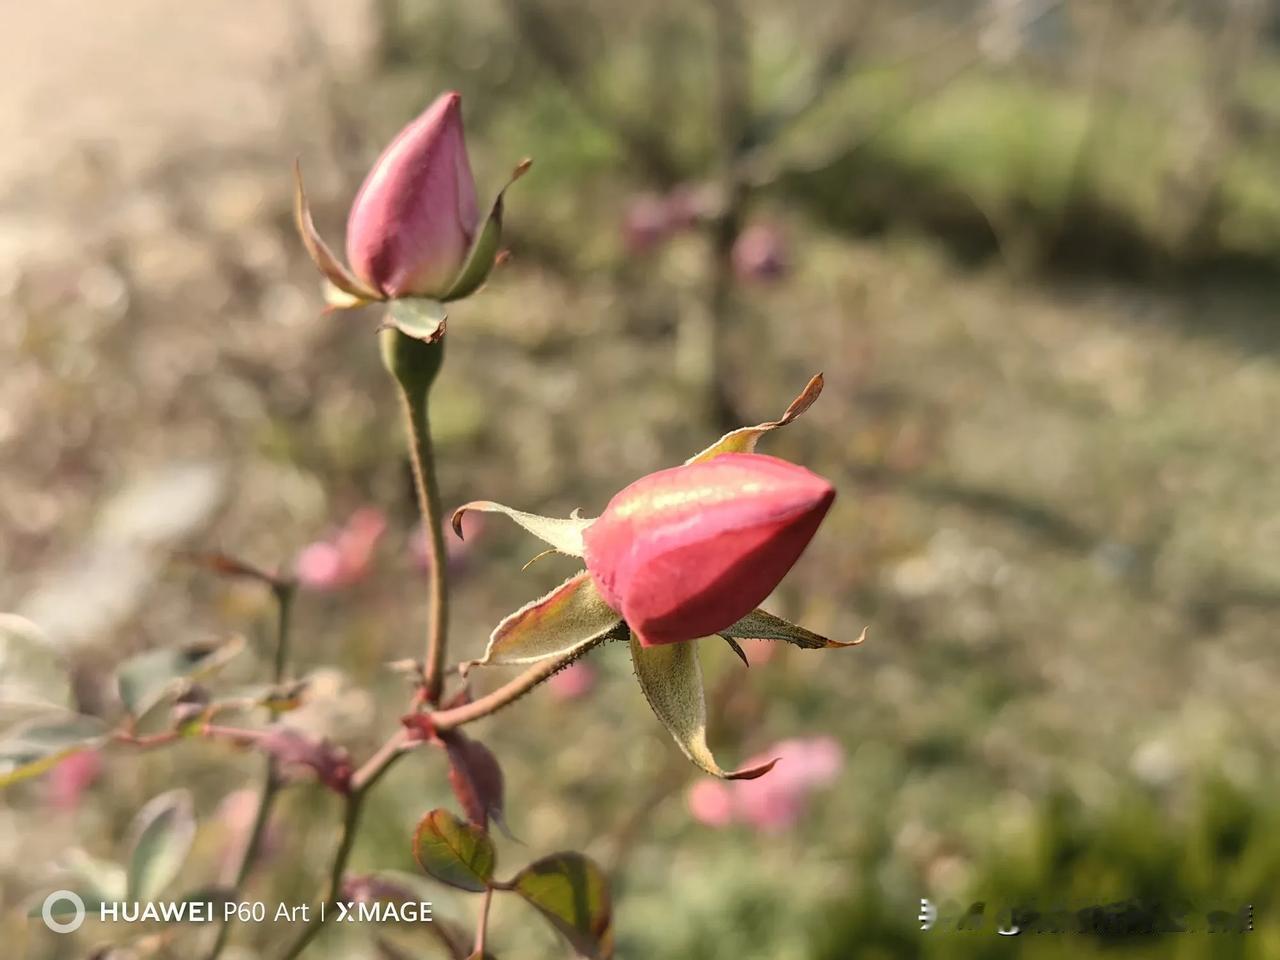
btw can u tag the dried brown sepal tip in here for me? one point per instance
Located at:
(752, 773)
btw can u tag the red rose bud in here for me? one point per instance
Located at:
(414, 219)
(689, 551)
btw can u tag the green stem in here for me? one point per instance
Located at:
(428, 490)
(505, 695)
(415, 364)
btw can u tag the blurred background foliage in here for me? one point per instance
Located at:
(1033, 245)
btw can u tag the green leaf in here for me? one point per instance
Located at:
(744, 440)
(570, 618)
(33, 678)
(104, 879)
(484, 250)
(150, 677)
(333, 269)
(161, 838)
(565, 535)
(454, 852)
(30, 749)
(762, 625)
(573, 893)
(671, 679)
(417, 317)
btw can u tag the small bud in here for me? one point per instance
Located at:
(686, 552)
(413, 222)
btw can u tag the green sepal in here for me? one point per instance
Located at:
(570, 619)
(484, 251)
(762, 625)
(419, 318)
(671, 679)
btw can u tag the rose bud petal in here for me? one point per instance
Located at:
(413, 221)
(686, 552)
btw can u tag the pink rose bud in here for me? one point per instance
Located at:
(685, 552)
(413, 221)
(760, 254)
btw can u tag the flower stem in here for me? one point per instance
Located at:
(428, 490)
(505, 695)
(415, 364)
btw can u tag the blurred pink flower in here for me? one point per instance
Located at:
(72, 776)
(687, 205)
(775, 802)
(651, 219)
(711, 802)
(760, 255)
(646, 223)
(456, 550)
(573, 682)
(344, 559)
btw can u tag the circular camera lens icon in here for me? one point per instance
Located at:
(50, 918)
